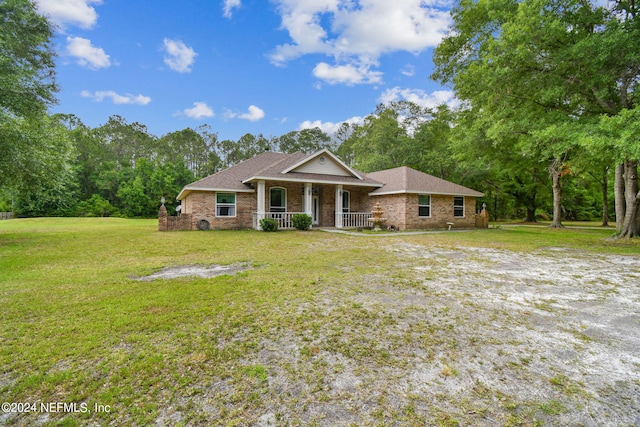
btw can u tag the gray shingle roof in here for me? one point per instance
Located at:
(407, 180)
(270, 166)
(231, 178)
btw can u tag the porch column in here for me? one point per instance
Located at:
(339, 206)
(308, 199)
(260, 204)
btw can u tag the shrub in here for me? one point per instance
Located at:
(301, 221)
(96, 206)
(269, 224)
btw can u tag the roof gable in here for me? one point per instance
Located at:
(407, 180)
(323, 162)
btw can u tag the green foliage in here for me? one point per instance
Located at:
(33, 149)
(133, 197)
(268, 224)
(195, 147)
(381, 142)
(27, 67)
(301, 221)
(305, 141)
(96, 206)
(551, 81)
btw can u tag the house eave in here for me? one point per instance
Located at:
(313, 181)
(185, 191)
(387, 193)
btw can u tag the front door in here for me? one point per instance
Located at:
(315, 212)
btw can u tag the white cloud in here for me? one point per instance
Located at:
(358, 32)
(116, 98)
(199, 111)
(74, 12)
(348, 74)
(87, 55)
(229, 5)
(408, 70)
(329, 128)
(253, 114)
(420, 97)
(179, 57)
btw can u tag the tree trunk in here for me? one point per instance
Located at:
(631, 223)
(531, 215)
(619, 196)
(605, 197)
(555, 172)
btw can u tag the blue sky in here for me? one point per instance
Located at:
(244, 66)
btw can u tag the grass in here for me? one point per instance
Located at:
(220, 351)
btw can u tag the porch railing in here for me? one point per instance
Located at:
(349, 219)
(284, 219)
(355, 219)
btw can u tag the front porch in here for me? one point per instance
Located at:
(328, 204)
(346, 219)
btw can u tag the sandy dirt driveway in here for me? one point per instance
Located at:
(464, 336)
(557, 327)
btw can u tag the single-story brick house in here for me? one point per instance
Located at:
(278, 185)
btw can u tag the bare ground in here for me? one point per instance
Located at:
(194, 271)
(463, 336)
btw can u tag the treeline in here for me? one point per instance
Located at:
(121, 169)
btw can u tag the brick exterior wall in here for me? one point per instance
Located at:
(202, 205)
(327, 217)
(401, 210)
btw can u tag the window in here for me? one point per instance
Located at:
(424, 205)
(346, 198)
(278, 200)
(458, 207)
(225, 204)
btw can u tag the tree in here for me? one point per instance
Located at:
(91, 156)
(305, 141)
(126, 142)
(196, 148)
(542, 70)
(385, 139)
(513, 181)
(133, 198)
(27, 68)
(33, 149)
(245, 148)
(621, 134)
(433, 144)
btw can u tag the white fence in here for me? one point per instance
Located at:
(356, 219)
(284, 219)
(7, 215)
(349, 220)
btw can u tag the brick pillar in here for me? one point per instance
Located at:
(162, 219)
(482, 219)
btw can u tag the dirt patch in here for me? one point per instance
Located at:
(194, 271)
(464, 336)
(557, 327)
